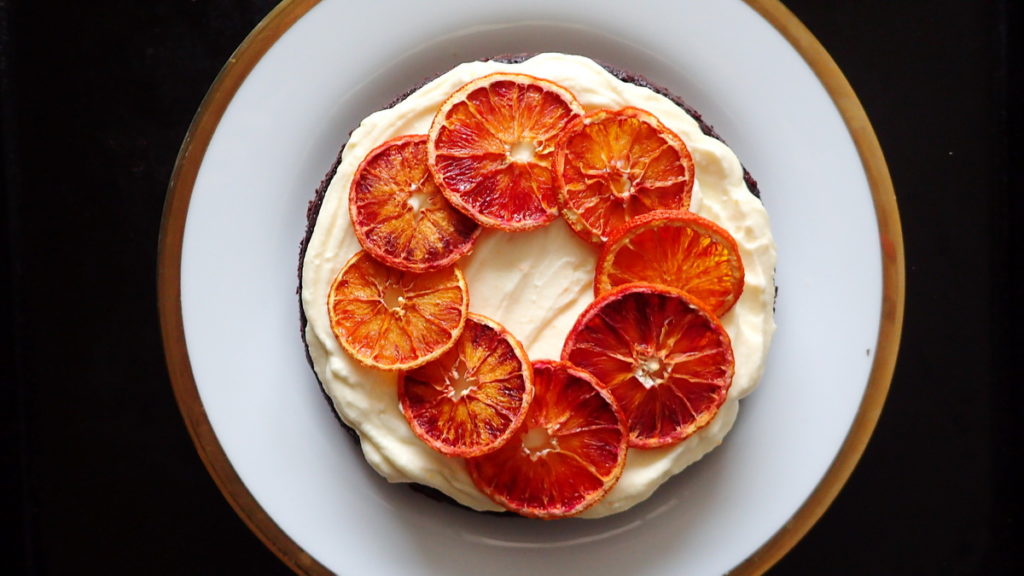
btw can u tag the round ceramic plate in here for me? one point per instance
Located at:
(273, 123)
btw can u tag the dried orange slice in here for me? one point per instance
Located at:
(395, 320)
(614, 165)
(492, 149)
(677, 249)
(400, 216)
(470, 400)
(568, 453)
(664, 357)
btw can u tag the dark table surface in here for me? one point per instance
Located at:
(99, 472)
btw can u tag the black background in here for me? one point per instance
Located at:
(99, 473)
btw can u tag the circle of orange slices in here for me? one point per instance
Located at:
(567, 454)
(665, 358)
(400, 216)
(615, 165)
(492, 149)
(471, 399)
(646, 364)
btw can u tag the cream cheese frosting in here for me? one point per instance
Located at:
(534, 283)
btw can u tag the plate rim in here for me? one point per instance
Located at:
(186, 392)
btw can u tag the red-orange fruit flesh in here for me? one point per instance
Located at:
(394, 320)
(469, 401)
(568, 453)
(678, 249)
(399, 214)
(492, 148)
(614, 165)
(665, 358)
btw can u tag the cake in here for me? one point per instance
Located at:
(534, 283)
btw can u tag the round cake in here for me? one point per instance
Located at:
(535, 283)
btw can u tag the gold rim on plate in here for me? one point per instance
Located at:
(172, 228)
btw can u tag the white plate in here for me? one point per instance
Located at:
(273, 124)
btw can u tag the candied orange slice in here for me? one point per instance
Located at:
(664, 357)
(400, 216)
(567, 454)
(470, 400)
(615, 165)
(492, 149)
(395, 320)
(677, 249)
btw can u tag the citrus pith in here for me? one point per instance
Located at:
(665, 358)
(400, 216)
(678, 249)
(568, 452)
(471, 399)
(614, 165)
(395, 320)
(492, 147)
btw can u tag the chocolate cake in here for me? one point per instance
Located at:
(316, 203)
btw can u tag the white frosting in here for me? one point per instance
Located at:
(535, 284)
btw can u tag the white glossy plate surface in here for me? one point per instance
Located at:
(246, 216)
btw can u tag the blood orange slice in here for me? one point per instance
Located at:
(567, 454)
(400, 216)
(677, 249)
(614, 165)
(664, 357)
(470, 400)
(394, 320)
(492, 147)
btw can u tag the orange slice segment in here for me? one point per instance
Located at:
(677, 249)
(395, 320)
(492, 147)
(400, 216)
(615, 165)
(568, 453)
(470, 400)
(664, 357)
